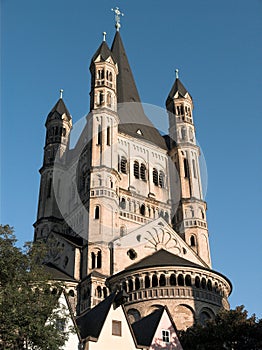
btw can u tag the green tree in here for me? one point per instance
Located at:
(231, 330)
(29, 308)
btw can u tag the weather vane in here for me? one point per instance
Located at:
(104, 36)
(118, 13)
(61, 93)
(177, 71)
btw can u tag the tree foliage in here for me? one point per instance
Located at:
(29, 305)
(231, 330)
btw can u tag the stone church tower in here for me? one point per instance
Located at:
(124, 209)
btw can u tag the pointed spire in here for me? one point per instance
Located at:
(103, 51)
(58, 111)
(126, 86)
(178, 90)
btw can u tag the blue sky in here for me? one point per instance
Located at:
(47, 45)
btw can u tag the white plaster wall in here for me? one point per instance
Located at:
(107, 340)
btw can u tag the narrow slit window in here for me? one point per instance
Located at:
(136, 170)
(97, 212)
(123, 165)
(161, 179)
(99, 135)
(143, 172)
(186, 169)
(155, 177)
(108, 136)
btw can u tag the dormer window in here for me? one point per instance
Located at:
(139, 132)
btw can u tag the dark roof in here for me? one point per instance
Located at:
(161, 258)
(75, 240)
(130, 110)
(146, 327)
(103, 51)
(58, 274)
(126, 86)
(91, 323)
(57, 111)
(178, 87)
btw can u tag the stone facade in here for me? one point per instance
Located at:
(125, 193)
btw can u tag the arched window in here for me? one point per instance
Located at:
(147, 282)
(173, 280)
(93, 258)
(180, 280)
(209, 285)
(99, 259)
(123, 204)
(161, 179)
(154, 281)
(155, 177)
(197, 282)
(136, 169)
(104, 292)
(101, 97)
(108, 138)
(123, 165)
(110, 76)
(97, 212)
(188, 281)
(162, 280)
(137, 283)
(203, 283)
(142, 209)
(99, 292)
(130, 285)
(143, 172)
(192, 241)
(183, 133)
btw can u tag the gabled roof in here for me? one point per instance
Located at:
(146, 327)
(161, 258)
(58, 111)
(178, 89)
(58, 274)
(130, 110)
(103, 51)
(91, 323)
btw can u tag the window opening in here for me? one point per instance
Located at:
(136, 170)
(165, 335)
(155, 177)
(161, 179)
(97, 212)
(143, 172)
(116, 328)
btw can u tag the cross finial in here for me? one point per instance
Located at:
(118, 13)
(61, 93)
(177, 71)
(104, 36)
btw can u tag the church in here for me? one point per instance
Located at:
(122, 210)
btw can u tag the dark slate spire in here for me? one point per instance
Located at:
(103, 51)
(126, 86)
(133, 120)
(178, 90)
(58, 110)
